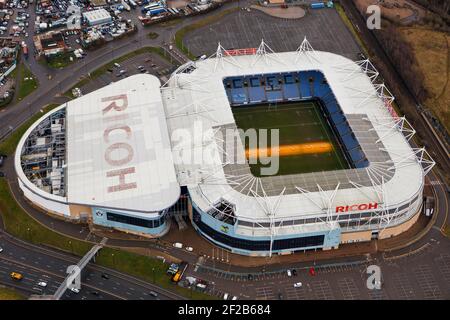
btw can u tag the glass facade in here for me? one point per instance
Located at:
(155, 223)
(256, 245)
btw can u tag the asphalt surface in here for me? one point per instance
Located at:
(244, 29)
(38, 264)
(424, 263)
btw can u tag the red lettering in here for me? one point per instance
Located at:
(113, 105)
(373, 205)
(125, 128)
(122, 185)
(363, 206)
(119, 146)
(359, 207)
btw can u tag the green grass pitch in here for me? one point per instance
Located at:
(299, 122)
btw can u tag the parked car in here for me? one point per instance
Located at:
(2, 159)
(105, 276)
(42, 284)
(153, 293)
(178, 245)
(225, 296)
(16, 276)
(289, 273)
(298, 285)
(1, 249)
(75, 290)
(190, 249)
(294, 272)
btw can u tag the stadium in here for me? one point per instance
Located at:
(338, 164)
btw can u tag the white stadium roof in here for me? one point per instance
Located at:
(195, 93)
(127, 141)
(101, 138)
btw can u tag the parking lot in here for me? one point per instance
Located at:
(419, 275)
(151, 63)
(323, 28)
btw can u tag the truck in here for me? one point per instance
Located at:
(16, 276)
(317, 5)
(428, 207)
(179, 274)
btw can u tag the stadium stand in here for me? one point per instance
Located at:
(298, 86)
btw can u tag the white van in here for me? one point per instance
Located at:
(178, 245)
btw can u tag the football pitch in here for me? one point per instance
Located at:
(306, 141)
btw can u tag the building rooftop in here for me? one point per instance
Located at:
(196, 94)
(119, 152)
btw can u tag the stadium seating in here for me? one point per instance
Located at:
(256, 92)
(297, 86)
(291, 90)
(305, 89)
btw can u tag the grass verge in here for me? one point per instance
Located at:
(10, 294)
(180, 34)
(27, 82)
(60, 61)
(8, 146)
(152, 35)
(432, 55)
(447, 230)
(20, 224)
(150, 270)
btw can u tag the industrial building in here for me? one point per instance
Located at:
(121, 156)
(97, 17)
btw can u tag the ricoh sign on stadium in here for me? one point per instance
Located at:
(351, 178)
(357, 207)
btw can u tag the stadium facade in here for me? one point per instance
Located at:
(121, 156)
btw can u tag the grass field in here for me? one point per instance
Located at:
(306, 142)
(10, 294)
(432, 53)
(27, 82)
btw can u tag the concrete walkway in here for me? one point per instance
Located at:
(283, 13)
